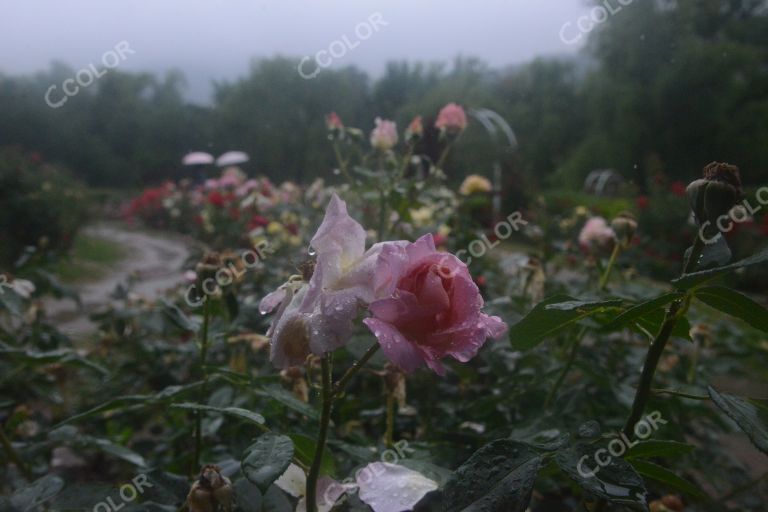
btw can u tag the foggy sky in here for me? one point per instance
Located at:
(216, 39)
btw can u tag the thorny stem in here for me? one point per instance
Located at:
(676, 310)
(390, 431)
(609, 267)
(322, 436)
(199, 414)
(13, 456)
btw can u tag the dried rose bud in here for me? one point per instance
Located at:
(673, 502)
(211, 492)
(624, 227)
(716, 193)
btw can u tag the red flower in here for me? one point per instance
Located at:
(257, 221)
(439, 239)
(642, 202)
(677, 188)
(216, 199)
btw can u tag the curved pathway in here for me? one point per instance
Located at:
(154, 262)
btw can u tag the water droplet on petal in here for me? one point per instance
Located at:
(312, 251)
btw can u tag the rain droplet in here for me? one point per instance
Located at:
(312, 251)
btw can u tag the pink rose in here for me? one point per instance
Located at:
(451, 119)
(384, 136)
(596, 234)
(434, 310)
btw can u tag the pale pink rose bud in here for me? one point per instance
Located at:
(384, 136)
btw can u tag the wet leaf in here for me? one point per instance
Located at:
(267, 459)
(749, 414)
(499, 476)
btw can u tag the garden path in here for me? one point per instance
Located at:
(153, 263)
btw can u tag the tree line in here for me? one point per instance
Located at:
(661, 87)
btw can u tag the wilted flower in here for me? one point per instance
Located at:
(415, 130)
(316, 317)
(475, 184)
(23, 288)
(624, 226)
(434, 312)
(596, 234)
(384, 136)
(716, 193)
(211, 492)
(452, 119)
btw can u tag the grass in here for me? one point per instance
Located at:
(90, 258)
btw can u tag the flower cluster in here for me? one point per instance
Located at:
(230, 210)
(423, 304)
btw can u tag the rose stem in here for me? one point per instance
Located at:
(390, 432)
(611, 261)
(199, 414)
(677, 309)
(322, 435)
(13, 456)
(344, 380)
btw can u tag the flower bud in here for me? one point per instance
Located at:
(415, 130)
(624, 226)
(716, 193)
(212, 491)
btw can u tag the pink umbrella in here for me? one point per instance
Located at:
(197, 158)
(232, 158)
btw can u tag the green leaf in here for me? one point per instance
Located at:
(552, 316)
(11, 300)
(749, 414)
(616, 482)
(237, 412)
(639, 311)
(247, 496)
(178, 317)
(164, 396)
(735, 304)
(499, 476)
(304, 449)
(667, 477)
(287, 398)
(658, 448)
(36, 493)
(61, 355)
(267, 459)
(69, 435)
(650, 324)
(688, 281)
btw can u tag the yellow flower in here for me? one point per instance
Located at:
(474, 184)
(421, 216)
(443, 230)
(274, 228)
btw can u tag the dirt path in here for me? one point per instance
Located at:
(154, 262)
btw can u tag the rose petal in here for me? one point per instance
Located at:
(394, 345)
(392, 488)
